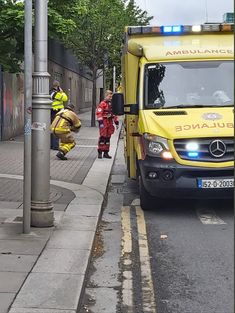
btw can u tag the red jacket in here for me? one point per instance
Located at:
(106, 117)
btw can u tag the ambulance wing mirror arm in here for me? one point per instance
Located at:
(118, 104)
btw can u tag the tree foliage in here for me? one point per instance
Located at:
(97, 37)
(99, 30)
(12, 29)
(12, 34)
(92, 29)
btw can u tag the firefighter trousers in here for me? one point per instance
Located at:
(67, 142)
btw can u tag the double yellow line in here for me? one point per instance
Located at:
(148, 296)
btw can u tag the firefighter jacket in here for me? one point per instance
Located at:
(106, 117)
(65, 121)
(58, 98)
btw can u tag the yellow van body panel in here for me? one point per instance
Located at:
(184, 47)
(195, 123)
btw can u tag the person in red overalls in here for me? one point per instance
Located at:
(105, 118)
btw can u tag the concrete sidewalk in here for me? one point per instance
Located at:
(44, 271)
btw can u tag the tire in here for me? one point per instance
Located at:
(147, 202)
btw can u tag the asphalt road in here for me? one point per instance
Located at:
(177, 259)
(192, 257)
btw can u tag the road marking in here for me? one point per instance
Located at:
(209, 217)
(148, 298)
(126, 227)
(127, 281)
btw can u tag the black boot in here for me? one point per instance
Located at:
(99, 154)
(61, 156)
(106, 155)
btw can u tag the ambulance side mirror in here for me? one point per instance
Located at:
(118, 104)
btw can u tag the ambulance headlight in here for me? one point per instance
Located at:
(156, 146)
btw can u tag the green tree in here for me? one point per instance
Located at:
(12, 35)
(132, 15)
(93, 29)
(98, 34)
(12, 29)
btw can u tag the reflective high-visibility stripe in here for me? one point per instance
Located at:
(61, 122)
(61, 96)
(61, 130)
(66, 147)
(57, 105)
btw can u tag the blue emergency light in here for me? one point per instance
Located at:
(193, 154)
(177, 29)
(172, 29)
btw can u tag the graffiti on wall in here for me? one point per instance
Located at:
(13, 105)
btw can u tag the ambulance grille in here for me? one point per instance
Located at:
(210, 149)
(161, 113)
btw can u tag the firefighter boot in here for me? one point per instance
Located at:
(61, 155)
(99, 154)
(106, 155)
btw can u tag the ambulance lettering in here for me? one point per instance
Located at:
(198, 51)
(180, 128)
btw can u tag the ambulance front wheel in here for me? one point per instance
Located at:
(147, 202)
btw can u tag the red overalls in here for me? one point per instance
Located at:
(105, 119)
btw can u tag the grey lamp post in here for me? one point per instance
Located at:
(27, 115)
(42, 214)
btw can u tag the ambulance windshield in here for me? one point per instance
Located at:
(189, 84)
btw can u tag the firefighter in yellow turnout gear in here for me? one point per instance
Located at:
(59, 98)
(65, 122)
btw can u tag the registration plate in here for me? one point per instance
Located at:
(216, 183)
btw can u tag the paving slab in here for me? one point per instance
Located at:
(9, 212)
(83, 210)
(17, 263)
(74, 239)
(13, 231)
(85, 199)
(5, 301)
(75, 222)
(50, 291)
(62, 261)
(10, 205)
(45, 270)
(11, 282)
(26, 246)
(31, 310)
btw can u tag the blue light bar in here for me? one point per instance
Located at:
(193, 154)
(167, 29)
(176, 29)
(172, 29)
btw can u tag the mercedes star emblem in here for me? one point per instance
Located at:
(217, 148)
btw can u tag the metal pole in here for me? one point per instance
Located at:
(27, 114)
(104, 81)
(206, 11)
(42, 214)
(114, 78)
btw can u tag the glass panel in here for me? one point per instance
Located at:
(189, 84)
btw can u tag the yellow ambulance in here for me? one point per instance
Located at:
(178, 106)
